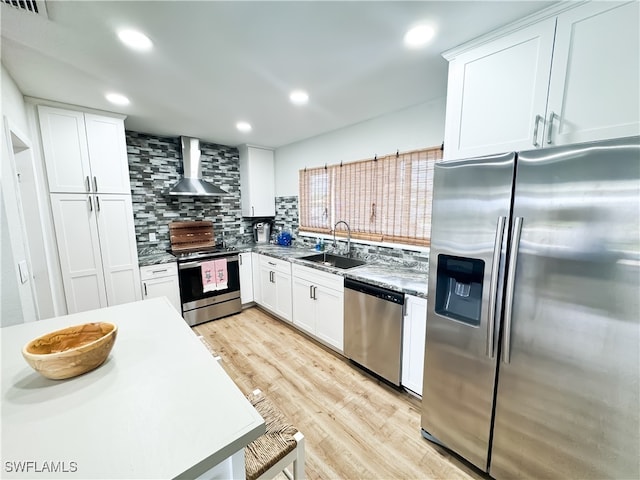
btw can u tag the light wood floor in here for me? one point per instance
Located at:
(355, 426)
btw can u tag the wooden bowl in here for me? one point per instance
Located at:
(71, 351)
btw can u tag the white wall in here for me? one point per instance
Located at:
(412, 128)
(16, 297)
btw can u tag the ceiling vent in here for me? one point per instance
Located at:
(35, 7)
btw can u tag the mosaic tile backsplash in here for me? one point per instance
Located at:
(155, 164)
(287, 218)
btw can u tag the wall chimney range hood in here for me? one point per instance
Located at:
(191, 184)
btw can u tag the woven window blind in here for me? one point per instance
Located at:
(315, 200)
(384, 199)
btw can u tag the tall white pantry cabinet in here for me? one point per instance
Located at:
(88, 177)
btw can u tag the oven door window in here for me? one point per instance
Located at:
(191, 282)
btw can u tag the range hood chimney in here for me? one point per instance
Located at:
(191, 184)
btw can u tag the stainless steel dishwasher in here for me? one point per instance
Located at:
(373, 328)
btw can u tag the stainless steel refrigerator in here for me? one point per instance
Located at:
(533, 326)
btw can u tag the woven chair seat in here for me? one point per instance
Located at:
(275, 444)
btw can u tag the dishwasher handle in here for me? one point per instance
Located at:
(374, 291)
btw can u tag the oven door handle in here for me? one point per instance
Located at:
(186, 265)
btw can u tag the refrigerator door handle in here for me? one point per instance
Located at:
(511, 279)
(493, 288)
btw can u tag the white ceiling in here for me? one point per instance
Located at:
(215, 63)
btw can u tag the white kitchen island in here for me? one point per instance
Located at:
(159, 407)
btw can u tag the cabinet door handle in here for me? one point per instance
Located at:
(90, 205)
(314, 293)
(272, 264)
(145, 289)
(98, 203)
(95, 184)
(88, 184)
(311, 291)
(536, 124)
(550, 127)
(159, 271)
(253, 211)
(240, 260)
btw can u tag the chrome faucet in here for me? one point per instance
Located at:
(348, 236)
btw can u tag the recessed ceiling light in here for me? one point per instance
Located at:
(117, 98)
(299, 97)
(243, 126)
(135, 40)
(418, 36)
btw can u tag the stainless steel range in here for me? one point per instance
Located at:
(191, 244)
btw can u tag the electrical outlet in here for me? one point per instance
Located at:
(152, 237)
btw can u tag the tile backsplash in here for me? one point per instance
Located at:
(155, 164)
(287, 217)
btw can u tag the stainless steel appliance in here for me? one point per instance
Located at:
(532, 347)
(373, 328)
(192, 243)
(199, 306)
(191, 183)
(262, 232)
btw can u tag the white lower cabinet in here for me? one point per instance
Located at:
(318, 305)
(246, 277)
(275, 286)
(161, 281)
(255, 269)
(97, 250)
(413, 342)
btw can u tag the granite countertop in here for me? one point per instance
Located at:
(409, 278)
(154, 256)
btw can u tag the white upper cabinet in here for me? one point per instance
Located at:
(594, 93)
(257, 182)
(497, 92)
(107, 154)
(84, 153)
(64, 142)
(570, 77)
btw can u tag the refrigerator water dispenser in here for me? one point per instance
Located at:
(459, 288)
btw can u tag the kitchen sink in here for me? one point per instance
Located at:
(330, 260)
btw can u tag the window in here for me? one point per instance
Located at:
(384, 199)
